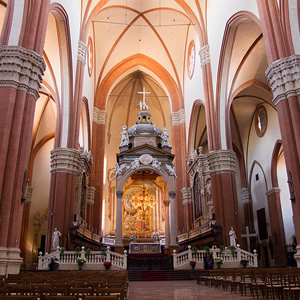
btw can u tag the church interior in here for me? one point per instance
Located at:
(149, 122)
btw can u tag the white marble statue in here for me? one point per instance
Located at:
(165, 137)
(119, 169)
(156, 164)
(125, 138)
(55, 238)
(135, 164)
(232, 237)
(171, 170)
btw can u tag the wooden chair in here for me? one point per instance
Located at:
(291, 288)
(258, 283)
(60, 298)
(14, 297)
(81, 291)
(100, 298)
(119, 292)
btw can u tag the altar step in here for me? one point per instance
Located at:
(160, 275)
(149, 262)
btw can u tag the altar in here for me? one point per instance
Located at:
(144, 248)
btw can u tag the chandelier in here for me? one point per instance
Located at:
(143, 200)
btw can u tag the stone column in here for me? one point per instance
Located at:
(222, 171)
(277, 228)
(90, 200)
(167, 224)
(173, 219)
(65, 168)
(187, 201)
(119, 221)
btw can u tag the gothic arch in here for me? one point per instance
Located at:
(222, 101)
(135, 60)
(195, 114)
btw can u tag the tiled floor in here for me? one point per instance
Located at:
(176, 290)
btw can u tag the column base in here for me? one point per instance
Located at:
(10, 261)
(297, 256)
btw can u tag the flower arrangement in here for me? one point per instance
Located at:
(80, 262)
(107, 265)
(244, 262)
(193, 264)
(219, 262)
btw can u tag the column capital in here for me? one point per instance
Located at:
(90, 195)
(204, 55)
(172, 194)
(246, 196)
(178, 117)
(273, 191)
(21, 69)
(65, 160)
(99, 116)
(221, 161)
(284, 78)
(166, 202)
(82, 52)
(186, 195)
(119, 194)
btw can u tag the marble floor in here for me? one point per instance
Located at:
(176, 290)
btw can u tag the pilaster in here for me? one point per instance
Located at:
(119, 225)
(90, 200)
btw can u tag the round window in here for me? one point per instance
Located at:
(90, 59)
(191, 59)
(261, 120)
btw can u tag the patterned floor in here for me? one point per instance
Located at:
(176, 290)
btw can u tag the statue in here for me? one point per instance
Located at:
(135, 164)
(119, 169)
(165, 138)
(232, 237)
(156, 164)
(55, 238)
(125, 138)
(171, 170)
(208, 190)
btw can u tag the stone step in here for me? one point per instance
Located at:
(160, 275)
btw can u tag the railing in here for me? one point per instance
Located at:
(230, 258)
(95, 259)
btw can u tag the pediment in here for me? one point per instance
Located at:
(145, 149)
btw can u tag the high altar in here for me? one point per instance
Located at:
(145, 185)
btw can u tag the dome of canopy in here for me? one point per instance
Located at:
(144, 125)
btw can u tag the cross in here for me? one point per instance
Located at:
(143, 104)
(248, 235)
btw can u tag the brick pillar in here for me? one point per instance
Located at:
(179, 149)
(277, 228)
(99, 119)
(25, 221)
(20, 76)
(222, 171)
(248, 217)
(65, 168)
(187, 201)
(284, 79)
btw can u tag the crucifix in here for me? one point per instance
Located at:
(143, 104)
(248, 235)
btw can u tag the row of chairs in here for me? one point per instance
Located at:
(66, 284)
(275, 283)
